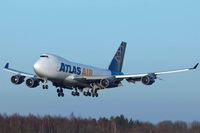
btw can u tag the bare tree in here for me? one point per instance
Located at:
(57, 124)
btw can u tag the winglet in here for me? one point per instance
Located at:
(195, 67)
(6, 66)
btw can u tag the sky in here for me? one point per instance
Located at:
(160, 35)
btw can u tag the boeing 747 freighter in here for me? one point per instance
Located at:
(80, 78)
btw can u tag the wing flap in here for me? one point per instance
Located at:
(91, 78)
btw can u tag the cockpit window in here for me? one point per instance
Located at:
(44, 56)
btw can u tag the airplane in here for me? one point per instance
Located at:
(80, 78)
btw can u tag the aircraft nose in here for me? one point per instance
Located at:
(37, 67)
(41, 68)
(44, 68)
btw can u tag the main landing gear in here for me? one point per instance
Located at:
(92, 93)
(94, 90)
(60, 92)
(87, 93)
(75, 93)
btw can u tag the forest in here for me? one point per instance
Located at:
(72, 124)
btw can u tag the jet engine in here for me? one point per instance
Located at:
(149, 79)
(105, 83)
(32, 82)
(109, 83)
(17, 79)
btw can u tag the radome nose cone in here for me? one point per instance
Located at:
(36, 67)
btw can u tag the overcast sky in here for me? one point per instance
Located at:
(161, 35)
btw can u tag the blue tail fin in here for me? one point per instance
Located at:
(117, 62)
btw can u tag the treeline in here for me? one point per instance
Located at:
(72, 124)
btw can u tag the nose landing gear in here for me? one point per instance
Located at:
(45, 87)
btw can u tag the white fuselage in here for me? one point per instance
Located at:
(61, 71)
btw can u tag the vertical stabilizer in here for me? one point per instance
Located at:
(117, 62)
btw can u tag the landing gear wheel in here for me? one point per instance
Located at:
(93, 95)
(73, 93)
(45, 87)
(89, 94)
(85, 93)
(77, 94)
(60, 92)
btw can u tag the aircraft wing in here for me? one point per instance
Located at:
(6, 68)
(130, 78)
(137, 77)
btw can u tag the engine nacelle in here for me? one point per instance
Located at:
(32, 82)
(148, 80)
(105, 83)
(17, 79)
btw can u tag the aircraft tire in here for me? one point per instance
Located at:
(77, 94)
(85, 93)
(45, 87)
(73, 93)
